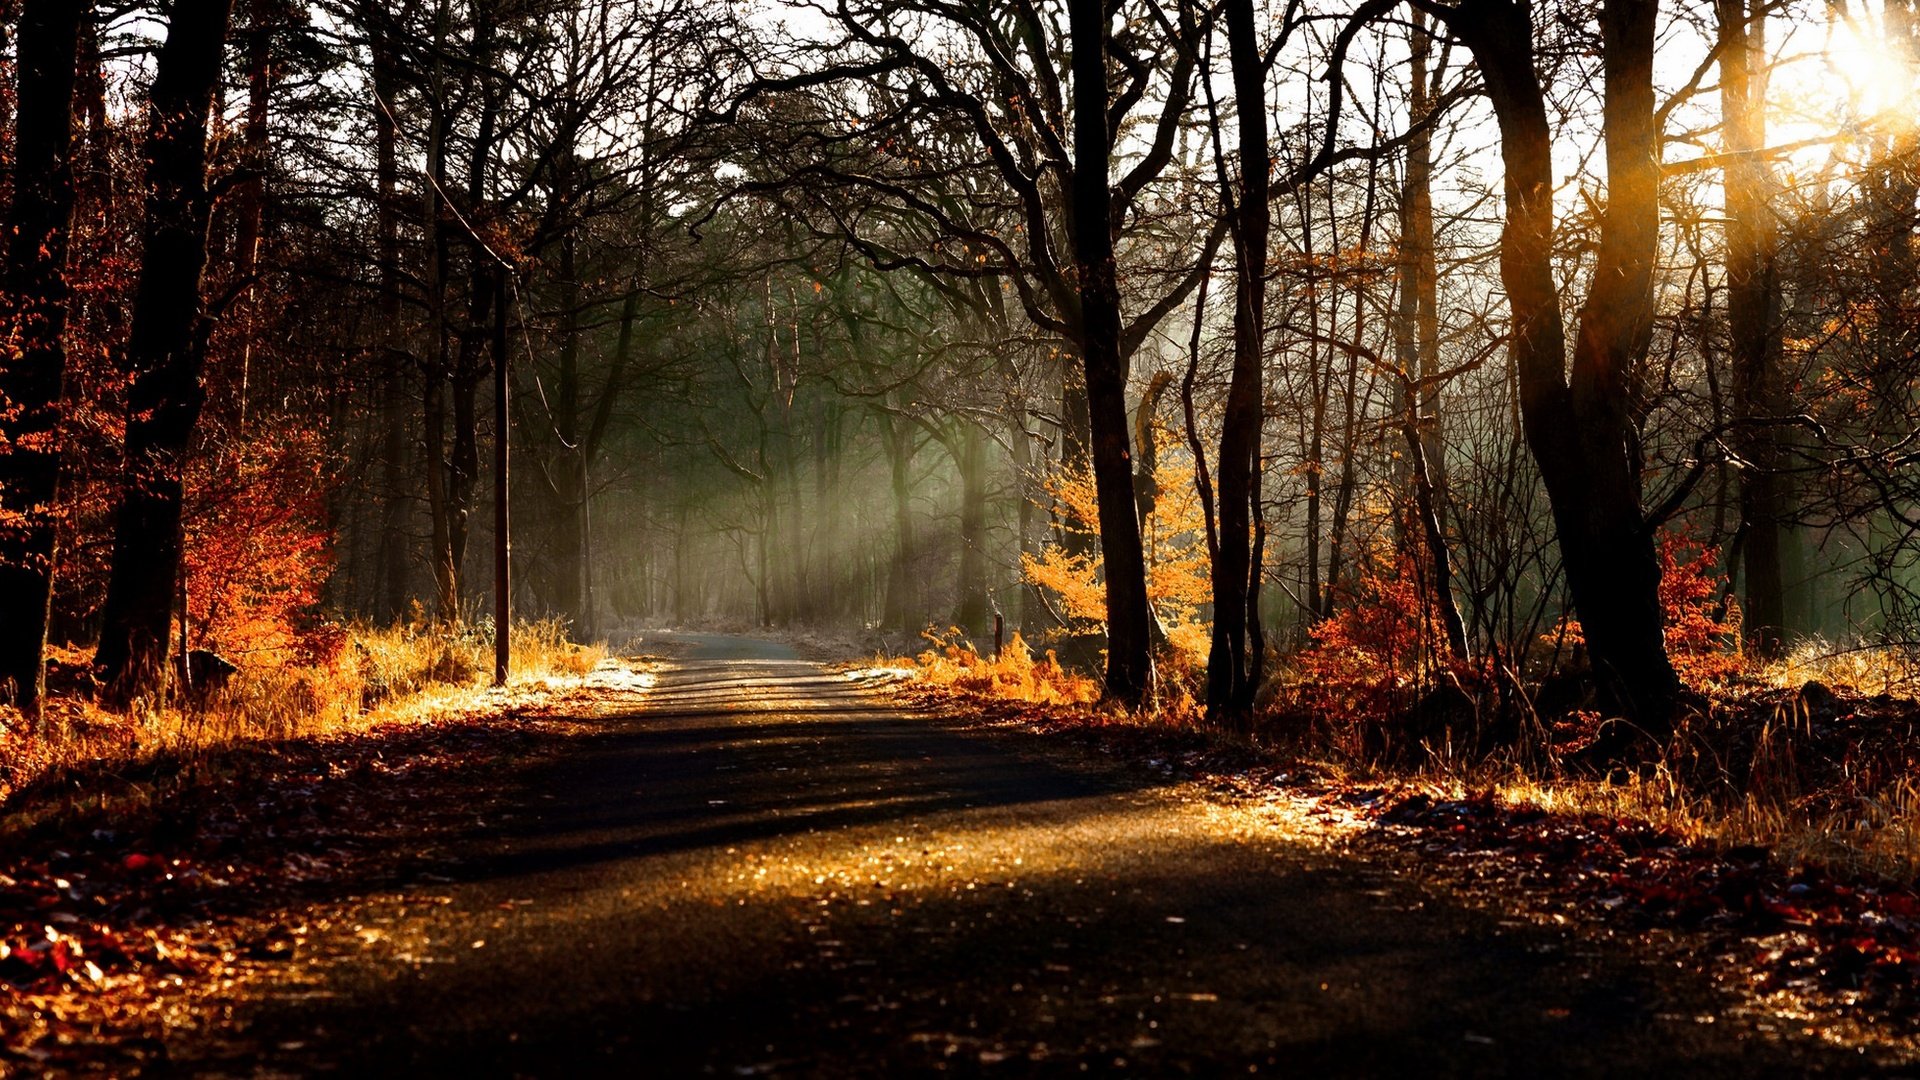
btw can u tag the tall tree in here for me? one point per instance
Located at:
(1129, 617)
(1580, 426)
(37, 224)
(1417, 332)
(1754, 322)
(1232, 667)
(165, 353)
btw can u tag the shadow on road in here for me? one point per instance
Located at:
(767, 871)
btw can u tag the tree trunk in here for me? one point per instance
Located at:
(94, 174)
(1320, 386)
(903, 593)
(1580, 431)
(1230, 687)
(971, 612)
(1426, 277)
(433, 393)
(502, 516)
(393, 555)
(1417, 342)
(1032, 609)
(38, 223)
(1754, 325)
(571, 472)
(253, 188)
(1440, 562)
(1417, 322)
(166, 352)
(1129, 660)
(470, 371)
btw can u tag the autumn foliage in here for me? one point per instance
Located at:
(258, 551)
(1174, 534)
(1383, 644)
(1703, 624)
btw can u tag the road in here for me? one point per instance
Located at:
(770, 871)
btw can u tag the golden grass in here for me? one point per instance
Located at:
(1867, 670)
(1015, 674)
(382, 676)
(1873, 837)
(1876, 835)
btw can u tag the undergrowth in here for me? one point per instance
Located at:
(1824, 775)
(1014, 674)
(371, 677)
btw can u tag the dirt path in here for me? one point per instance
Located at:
(768, 870)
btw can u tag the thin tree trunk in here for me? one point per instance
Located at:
(446, 571)
(166, 352)
(1440, 561)
(1320, 387)
(972, 611)
(253, 189)
(38, 223)
(393, 553)
(502, 516)
(903, 594)
(1426, 276)
(1032, 609)
(570, 506)
(1417, 322)
(469, 372)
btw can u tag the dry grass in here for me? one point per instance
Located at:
(1015, 674)
(1878, 838)
(381, 676)
(1867, 670)
(1868, 828)
(1864, 836)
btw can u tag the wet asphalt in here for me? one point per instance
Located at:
(768, 869)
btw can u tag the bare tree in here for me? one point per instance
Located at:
(1579, 425)
(37, 224)
(166, 352)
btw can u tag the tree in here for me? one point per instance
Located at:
(967, 170)
(1232, 666)
(38, 220)
(1754, 322)
(1579, 424)
(165, 353)
(1129, 657)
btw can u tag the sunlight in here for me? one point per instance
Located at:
(1879, 82)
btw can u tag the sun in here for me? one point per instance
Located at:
(1879, 81)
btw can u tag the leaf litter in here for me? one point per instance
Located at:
(120, 919)
(1838, 957)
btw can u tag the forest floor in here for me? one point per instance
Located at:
(725, 858)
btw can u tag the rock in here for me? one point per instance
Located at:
(1817, 700)
(205, 671)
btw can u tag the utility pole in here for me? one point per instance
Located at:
(502, 544)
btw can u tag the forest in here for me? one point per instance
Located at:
(1496, 392)
(804, 317)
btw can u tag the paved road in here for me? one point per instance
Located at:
(768, 871)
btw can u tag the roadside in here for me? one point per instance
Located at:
(735, 862)
(1786, 947)
(122, 916)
